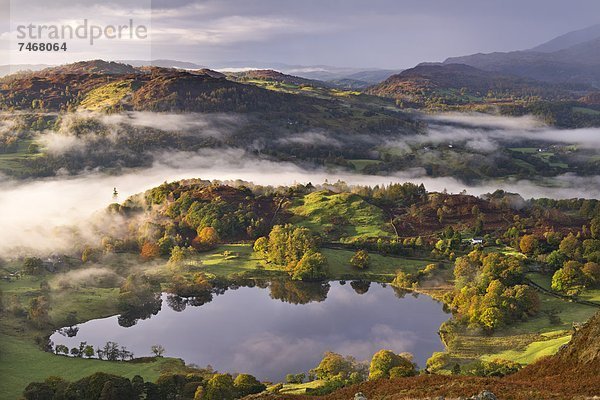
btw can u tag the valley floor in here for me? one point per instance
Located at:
(23, 361)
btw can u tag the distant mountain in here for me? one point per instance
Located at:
(14, 68)
(163, 63)
(373, 76)
(364, 79)
(324, 73)
(569, 39)
(461, 84)
(333, 74)
(573, 57)
(347, 83)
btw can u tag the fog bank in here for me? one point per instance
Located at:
(48, 214)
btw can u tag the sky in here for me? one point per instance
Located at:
(391, 34)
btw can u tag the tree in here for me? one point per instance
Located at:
(38, 311)
(438, 361)
(157, 350)
(555, 260)
(166, 244)
(528, 244)
(569, 279)
(360, 259)
(88, 351)
(311, 267)
(384, 361)
(246, 384)
(199, 393)
(569, 246)
(149, 251)
(591, 271)
(595, 227)
(288, 244)
(38, 391)
(491, 318)
(295, 378)
(89, 254)
(333, 365)
(261, 245)
(33, 266)
(465, 269)
(180, 254)
(207, 238)
(220, 387)
(137, 384)
(404, 280)
(110, 351)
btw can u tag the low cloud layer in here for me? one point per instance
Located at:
(486, 132)
(80, 129)
(47, 214)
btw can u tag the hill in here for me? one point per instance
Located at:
(275, 76)
(569, 39)
(575, 367)
(462, 84)
(14, 68)
(147, 88)
(91, 67)
(163, 63)
(573, 57)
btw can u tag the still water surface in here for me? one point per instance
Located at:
(280, 329)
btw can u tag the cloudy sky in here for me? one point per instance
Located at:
(354, 33)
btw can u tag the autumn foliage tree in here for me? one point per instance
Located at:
(528, 244)
(149, 251)
(489, 291)
(207, 238)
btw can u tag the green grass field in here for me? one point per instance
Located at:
(300, 388)
(230, 259)
(22, 362)
(535, 350)
(342, 216)
(381, 268)
(360, 165)
(546, 281)
(584, 110)
(527, 339)
(236, 259)
(12, 163)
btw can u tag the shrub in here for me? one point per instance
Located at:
(384, 361)
(360, 259)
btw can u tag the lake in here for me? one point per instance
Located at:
(280, 328)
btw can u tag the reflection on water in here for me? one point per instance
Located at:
(242, 328)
